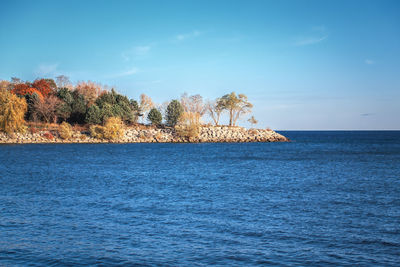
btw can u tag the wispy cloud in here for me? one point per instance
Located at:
(309, 40)
(45, 69)
(185, 36)
(125, 73)
(366, 114)
(316, 35)
(369, 62)
(135, 51)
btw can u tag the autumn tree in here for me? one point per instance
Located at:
(173, 113)
(12, 112)
(5, 85)
(236, 105)
(215, 110)
(146, 103)
(44, 86)
(90, 91)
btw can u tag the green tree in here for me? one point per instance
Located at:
(154, 116)
(93, 115)
(79, 108)
(174, 111)
(236, 105)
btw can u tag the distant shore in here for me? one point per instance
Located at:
(149, 134)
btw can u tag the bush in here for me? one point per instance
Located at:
(12, 112)
(65, 130)
(174, 112)
(188, 126)
(154, 116)
(48, 135)
(112, 130)
(97, 131)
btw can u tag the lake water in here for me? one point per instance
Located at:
(327, 198)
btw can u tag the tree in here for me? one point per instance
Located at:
(78, 108)
(44, 86)
(45, 109)
(214, 109)
(145, 104)
(5, 85)
(154, 116)
(113, 104)
(252, 121)
(12, 112)
(23, 89)
(64, 109)
(193, 104)
(93, 115)
(174, 111)
(90, 91)
(135, 110)
(236, 105)
(63, 81)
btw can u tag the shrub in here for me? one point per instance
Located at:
(97, 131)
(65, 130)
(48, 135)
(188, 126)
(113, 128)
(154, 116)
(174, 111)
(12, 112)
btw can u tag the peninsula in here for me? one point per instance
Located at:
(48, 111)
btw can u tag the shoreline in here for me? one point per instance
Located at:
(207, 134)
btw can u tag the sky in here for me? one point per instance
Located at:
(305, 65)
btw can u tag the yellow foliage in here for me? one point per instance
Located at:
(189, 125)
(97, 131)
(112, 130)
(12, 112)
(65, 130)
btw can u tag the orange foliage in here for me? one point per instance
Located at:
(43, 87)
(24, 89)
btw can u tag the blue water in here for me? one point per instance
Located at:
(327, 198)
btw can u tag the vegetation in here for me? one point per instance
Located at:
(155, 116)
(106, 111)
(252, 121)
(12, 112)
(65, 130)
(174, 111)
(236, 105)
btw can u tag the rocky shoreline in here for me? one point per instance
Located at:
(208, 134)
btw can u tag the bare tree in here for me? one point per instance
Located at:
(214, 110)
(63, 81)
(194, 105)
(45, 109)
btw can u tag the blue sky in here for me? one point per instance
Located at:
(303, 64)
